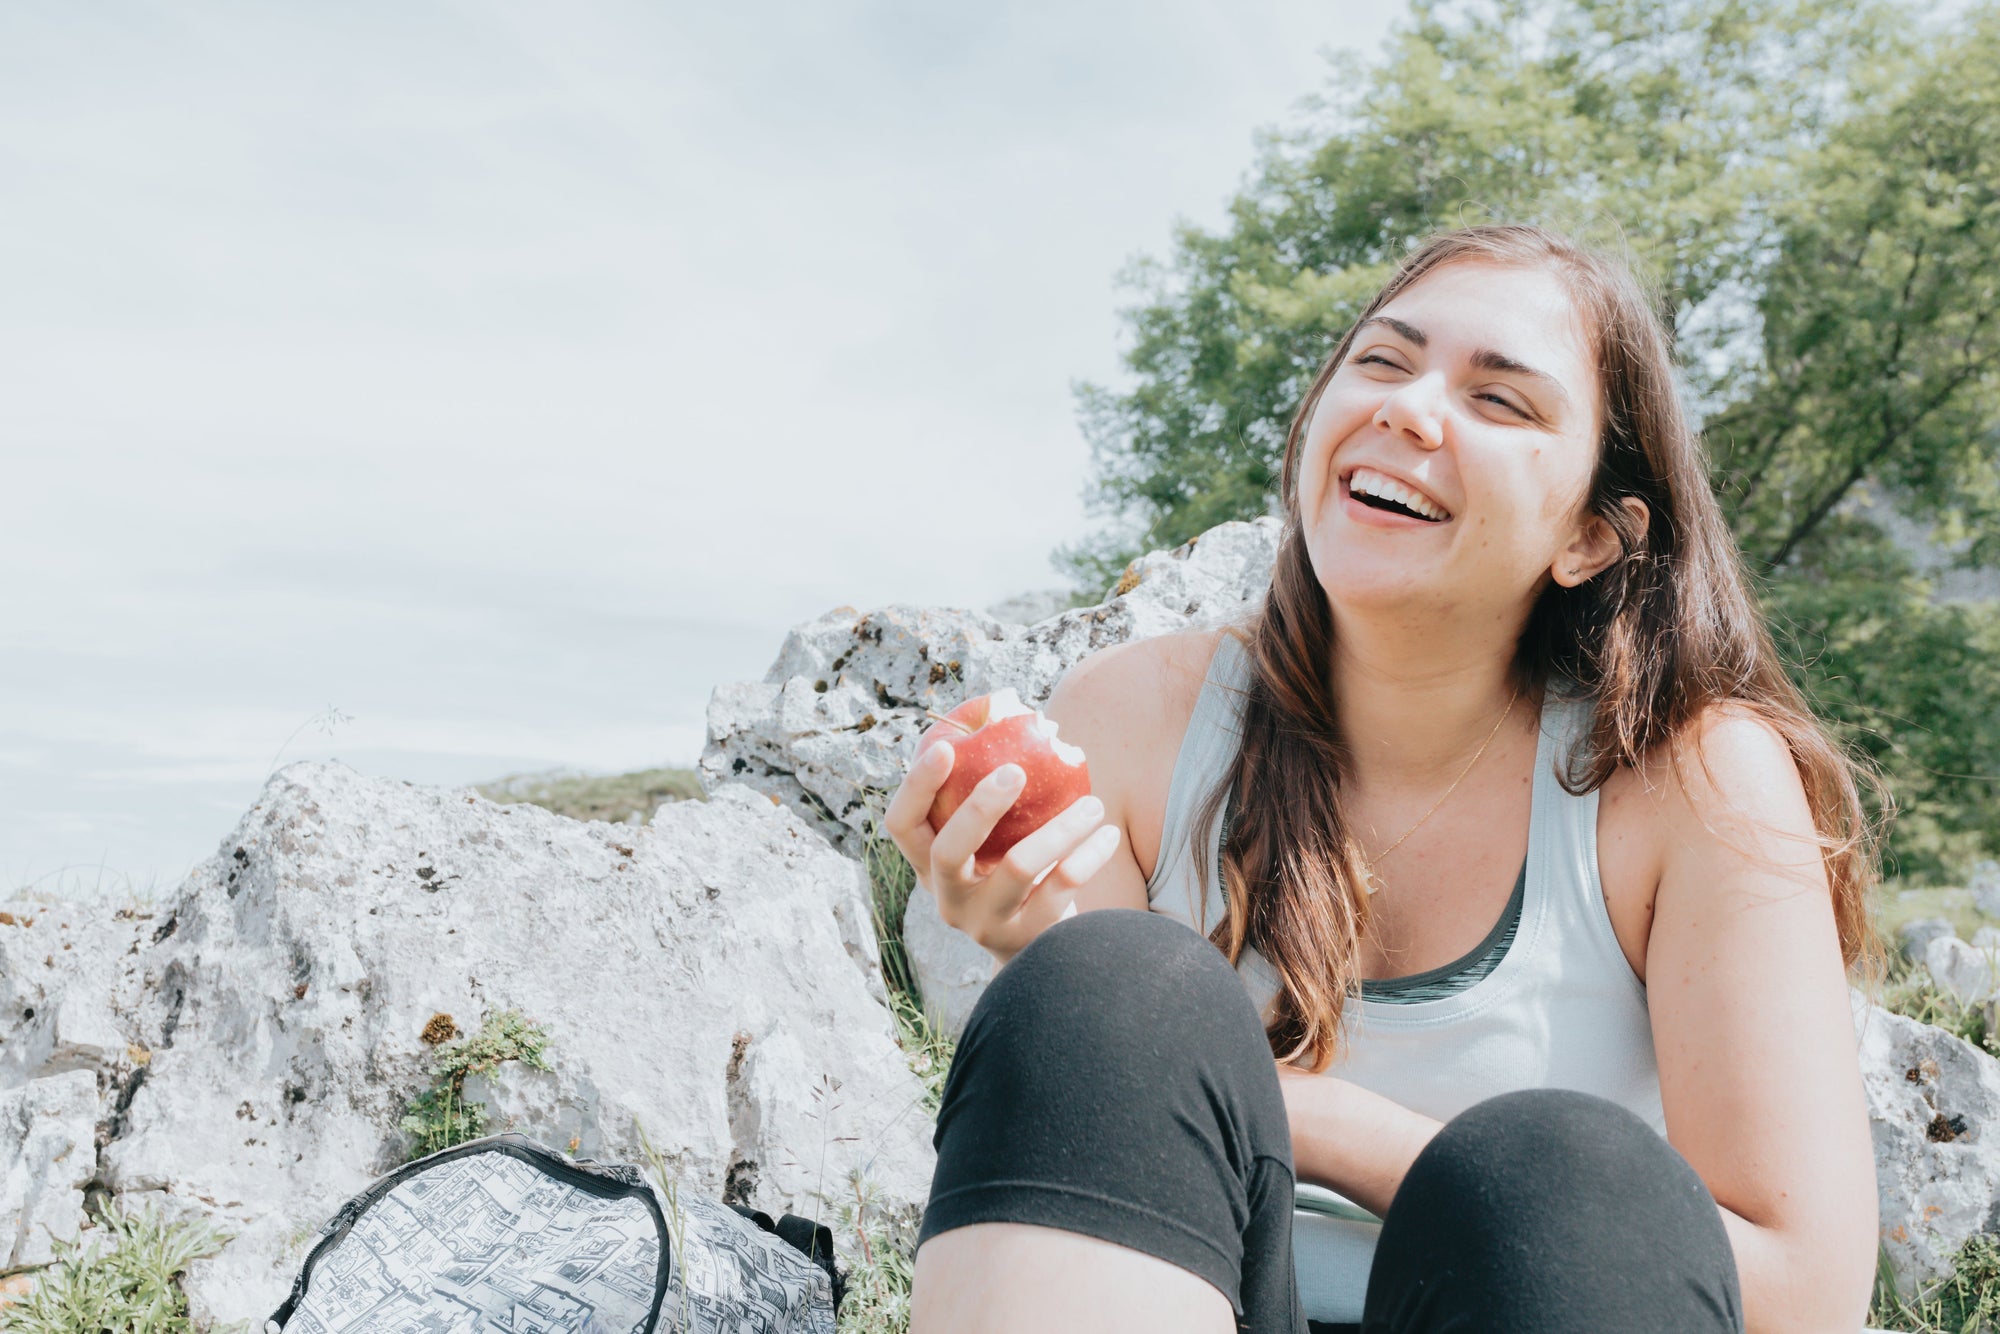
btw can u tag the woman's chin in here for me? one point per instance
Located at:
(1392, 594)
(1359, 578)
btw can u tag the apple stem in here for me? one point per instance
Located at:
(933, 713)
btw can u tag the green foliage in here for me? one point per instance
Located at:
(928, 1046)
(1912, 684)
(1896, 905)
(1911, 992)
(122, 1279)
(1879, 353)
(878, 1287)
(1815, 187)
(440, 1117)
(891, 878)
(878, 1283)
(1966, 1303)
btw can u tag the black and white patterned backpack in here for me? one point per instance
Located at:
(502, 1234)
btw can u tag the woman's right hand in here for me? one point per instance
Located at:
(1005, 904)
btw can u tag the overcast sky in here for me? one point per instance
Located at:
(505, 376)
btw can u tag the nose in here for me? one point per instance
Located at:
(1413, 411)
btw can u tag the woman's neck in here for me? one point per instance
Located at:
(1416, 704)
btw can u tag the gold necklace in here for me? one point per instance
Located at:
(1372, 882)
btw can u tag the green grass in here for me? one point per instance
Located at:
(1896, 905)
(440, 1117)
(613, 798)
(123, 1280)
(890, 882)
(878, 1284)
(1969, 1301)
(1910, 992)
(1966, 1303)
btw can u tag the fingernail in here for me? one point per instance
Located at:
(1012, 775)
(1091, 807)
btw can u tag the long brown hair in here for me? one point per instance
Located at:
(1667, 630)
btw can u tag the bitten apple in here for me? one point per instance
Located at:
(988, 731)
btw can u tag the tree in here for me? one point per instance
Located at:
(1813, 185)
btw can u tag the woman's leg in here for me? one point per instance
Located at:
(1552, 1212)
(1113, 1152)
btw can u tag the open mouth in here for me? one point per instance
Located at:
(1364, 486)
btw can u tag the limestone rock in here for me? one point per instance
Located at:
(693, 976)
(1986, 938)
(829, 729)
(1031, 607)
(1964, 970)
(1985, 885)
(48, 1154)
(67, 971)
(1914, 937)
(1934, 1114)
(952, 968)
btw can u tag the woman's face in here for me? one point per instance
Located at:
(1473, 387)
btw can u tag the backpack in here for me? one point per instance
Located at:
(503, 1234)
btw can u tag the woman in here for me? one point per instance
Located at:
(1539, 878)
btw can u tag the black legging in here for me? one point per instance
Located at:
(1115, 1081)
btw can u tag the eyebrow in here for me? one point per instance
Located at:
(1484, 358)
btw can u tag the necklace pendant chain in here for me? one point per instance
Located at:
(1372, 882)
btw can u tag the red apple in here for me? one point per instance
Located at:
(988, 731)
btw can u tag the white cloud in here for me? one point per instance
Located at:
(510, 374)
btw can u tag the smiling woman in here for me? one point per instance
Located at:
(1585, 1061)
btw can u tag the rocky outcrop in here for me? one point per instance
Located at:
(829, 729)
(708, 981)
(1027, 608)
(1913, 938)
(1985, 886)
(1965, 971)
(48, 1154)
(1934, 1113)
(66, 1064)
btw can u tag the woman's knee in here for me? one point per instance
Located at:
(1109, 972)
(1112, 1025)
(1578, 1139)
(1539, 1155)
(1543, 1193)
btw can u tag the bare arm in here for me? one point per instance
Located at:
(1759, 1072)
(1351, 1139)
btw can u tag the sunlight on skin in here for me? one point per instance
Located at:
(995, 1278)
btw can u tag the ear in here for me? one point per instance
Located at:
(1594, 546)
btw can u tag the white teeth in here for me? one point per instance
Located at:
(1368, 482)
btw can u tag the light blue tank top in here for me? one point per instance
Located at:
(1559, 1008)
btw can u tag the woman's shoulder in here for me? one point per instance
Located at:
(1728, 767)
(1141, 676)
(1728, 749)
